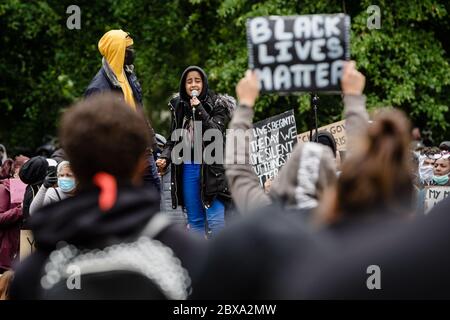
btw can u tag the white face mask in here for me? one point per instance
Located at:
(426, 173)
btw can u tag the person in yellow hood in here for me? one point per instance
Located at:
(117, 75)
(117, 71)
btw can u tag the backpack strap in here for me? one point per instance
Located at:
(33, 192)
(57, 193)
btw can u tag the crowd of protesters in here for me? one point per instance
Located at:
(130, 207)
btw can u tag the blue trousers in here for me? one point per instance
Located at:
(196, 213)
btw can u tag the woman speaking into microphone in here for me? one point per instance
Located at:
(197, 185)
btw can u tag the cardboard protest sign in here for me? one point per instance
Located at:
(27, 244)
(337, 129)
(433, 195)
(272, 143)
(299, 53)
(17, 190)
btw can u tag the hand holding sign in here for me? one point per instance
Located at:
(247, 90)
(352, 81)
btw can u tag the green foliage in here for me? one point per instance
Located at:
(44, 66)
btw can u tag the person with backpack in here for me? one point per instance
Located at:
(112, 229)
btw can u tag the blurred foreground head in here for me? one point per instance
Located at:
(378, 178)
(102, 134)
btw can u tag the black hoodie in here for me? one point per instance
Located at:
(79, 221)
(205, 90)
(182, 103)
(32, 173)
(327, 139)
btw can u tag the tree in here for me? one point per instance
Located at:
(44, 66)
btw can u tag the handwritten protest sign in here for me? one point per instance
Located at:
(337, 129)
(433, 195)
(272, 143)
(27, 244)
(299, 53)
(17, 190)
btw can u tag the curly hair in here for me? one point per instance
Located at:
(103, 134)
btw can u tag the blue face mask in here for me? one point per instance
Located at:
(441, 180)
(66, 184)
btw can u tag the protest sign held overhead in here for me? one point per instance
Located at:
(337, 129)
(272, 143)
(299, 53)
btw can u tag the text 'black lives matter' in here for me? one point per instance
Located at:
(299, 53)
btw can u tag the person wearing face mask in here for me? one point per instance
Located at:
(58, 185)
(112, 217)
(425, 171)
(441, 171)
(117, 75)
(423, 178)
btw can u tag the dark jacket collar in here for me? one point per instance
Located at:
(79, 220)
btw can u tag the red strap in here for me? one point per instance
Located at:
(108, 190)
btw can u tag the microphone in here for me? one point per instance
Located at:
(194, 93)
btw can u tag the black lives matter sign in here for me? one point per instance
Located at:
(272, 143)
(299, 53)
